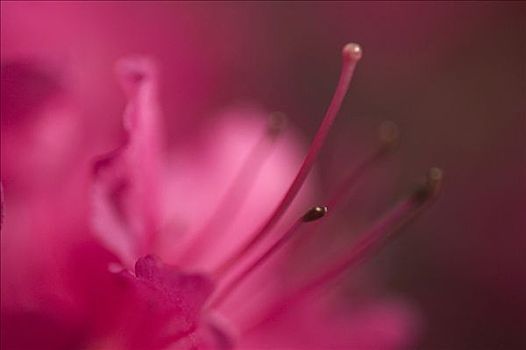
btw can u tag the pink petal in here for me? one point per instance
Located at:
(25, 87)
(204, 168)
(33, 330)
(316, 324)
(125, 192)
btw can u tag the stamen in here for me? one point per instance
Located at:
(238, 191)
(388, 135)
(313, 214)
(372, 240)
(351, 55)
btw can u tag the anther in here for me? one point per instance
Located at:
(314, 214)
(434, 179)
(389, 135)
(431, 186)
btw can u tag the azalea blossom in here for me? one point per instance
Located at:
(146, 284)
(127, 221)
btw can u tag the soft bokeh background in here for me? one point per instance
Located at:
(452, 75)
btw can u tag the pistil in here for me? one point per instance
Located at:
(351, 55)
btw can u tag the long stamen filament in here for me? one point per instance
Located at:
(351, 55)
(372, 240)
(313, 214)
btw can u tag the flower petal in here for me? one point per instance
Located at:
(26, 86)
(316, 324)
(125, 192)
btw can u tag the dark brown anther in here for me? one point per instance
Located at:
(314, 214)
(431, 187)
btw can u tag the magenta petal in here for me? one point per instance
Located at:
(126, 196)
(316, 323)
(23, 330)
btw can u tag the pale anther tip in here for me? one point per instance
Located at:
(435, 174)
(352, 51)
(389, 133)
(434, 178)
(315, 213)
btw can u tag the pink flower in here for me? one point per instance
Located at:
(143, 204)
(127, 221)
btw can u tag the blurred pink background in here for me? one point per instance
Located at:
(452, 75)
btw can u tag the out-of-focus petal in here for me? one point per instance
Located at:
(125, 193)
(204, 170)
(39, 124)
(24, 86)
(34, 330)
(315, 324)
